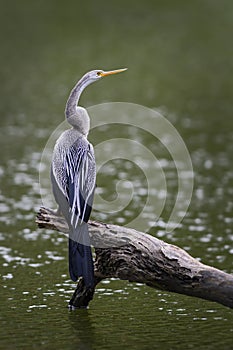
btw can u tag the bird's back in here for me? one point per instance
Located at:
(73, 174)
(62, 146)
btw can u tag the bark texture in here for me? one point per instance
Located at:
(138, 257)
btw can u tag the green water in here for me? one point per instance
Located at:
(179, 55)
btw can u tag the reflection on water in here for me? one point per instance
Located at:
(132, 307)
(179, 59)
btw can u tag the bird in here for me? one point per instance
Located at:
(73, 179)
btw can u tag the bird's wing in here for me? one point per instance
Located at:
(81, 174)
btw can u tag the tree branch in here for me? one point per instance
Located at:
(138, 257)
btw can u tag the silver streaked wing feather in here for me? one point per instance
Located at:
(81, 174)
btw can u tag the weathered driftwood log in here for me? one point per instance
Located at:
(138, 257)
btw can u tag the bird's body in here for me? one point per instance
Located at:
(73, 176)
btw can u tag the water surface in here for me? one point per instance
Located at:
(179, 56)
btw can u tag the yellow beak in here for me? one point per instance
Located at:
(104, 74)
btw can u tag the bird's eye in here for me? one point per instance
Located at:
(98, 73)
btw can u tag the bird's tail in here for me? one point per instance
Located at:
(81, 262)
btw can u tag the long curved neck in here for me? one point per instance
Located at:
(72, 102)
